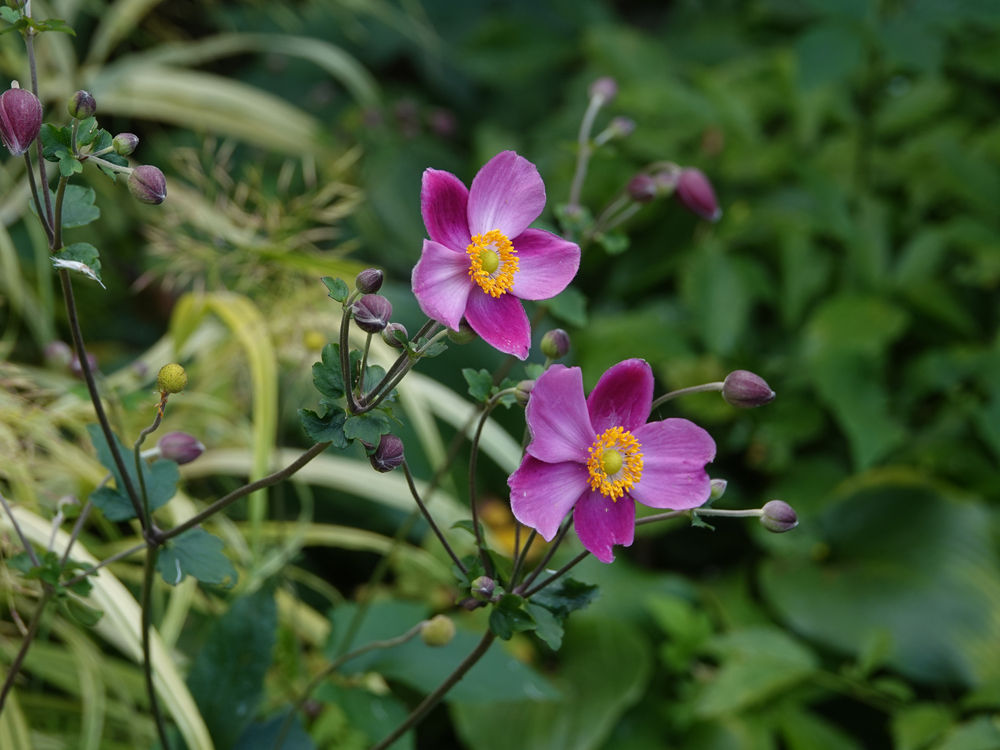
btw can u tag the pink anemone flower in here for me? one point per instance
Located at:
(481, 259)
(597, 456)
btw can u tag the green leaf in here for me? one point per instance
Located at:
(54, 24)
(428, 350)
(55, 141)
(979, 733)
(9, 15)
(161, 479)
(78, 206)
(262, 735)
(480, 383)
(367, 427)
(82, 258)
(86, 131)
(508, 617)
(564, 596)
(227, 677)
(327, 375)
(80, 613)
(570, 306)
(338, 289)
(327, 428)
(466, 525)
(372, 714)
(614, 242)
(547, 626)
(916, 726)
(69, 165)
(198, 554)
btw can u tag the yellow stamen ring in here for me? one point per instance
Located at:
(615, 462)
(492, 262)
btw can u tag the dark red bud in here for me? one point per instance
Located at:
(20, 119)
(147, 184)
(642, 188)
(180, 447)
(388, 455)
(696, 193)
(369, 281)
(372, 313)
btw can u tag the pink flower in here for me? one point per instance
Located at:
(481, 259)
(597, 456)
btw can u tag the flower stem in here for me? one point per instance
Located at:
(558, 574)
(473, 494)
(548, 556)
(147, 662)
(17, 527)
(345, 359)
(430, 519)
(29, 637)
(584, 150)
(33, 184)
(434, 698)
(105, 562)
(703, 388)
(136, 451)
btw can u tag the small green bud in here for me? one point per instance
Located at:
(147, 184)
(778, 516)
(522, 391)
(555, 343)
(437, 631)
(171, 379)
(81, 105)
(718, 489)
(125, 143)
(463, 335)
(482, 588)
(389, 335)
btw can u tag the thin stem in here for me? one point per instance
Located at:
(558, 574)
(704, 387)
(741, 513)
(17, 527)
(584, 149)
(333, 667)
(29, 637)
(106, 164)
(429, 519)
(364, 364)
(77, 528)
(243, 491)
(33, 184)
(616, 205)
(345, 360)
(434, 698)
(548, 556)
(147, 663)
(473, 494)
(661, 517)
(629, 211)
(107, 561)
(57, 223)
(137, 453)
(403, 364)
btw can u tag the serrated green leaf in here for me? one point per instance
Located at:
(509, 616)
(480, 383)
(547, 625)
(9, 15)
(198, 554)
(82, 258)
(428, 349)
(161, 479)
(55, 140)
(327, 375)
(86, 131)
(81, 613)
(565, 595)
(54, 24)
(329, 428)
(69, 165)
(338, 289)
(466, 525)
(78, 205)
(368, 427)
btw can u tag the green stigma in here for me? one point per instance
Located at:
(489, 260)
(611, 461)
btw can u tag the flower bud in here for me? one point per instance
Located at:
(171, 379)
(482, 588)
(20, 119)
(180, 447)
(604, 88)
(147, 184)
(125, 143)
(388, 455)
(696, 193)
(621, 127)
(778, 516)
(463, 335)
(372, 313)
(437, 631)
(81, 105)
(744, 389)
(522, 391)
(642, 188)
(555, 343)
(389, 335)
(77, 369)
(718, 489)
(369, 281)
(58, 354)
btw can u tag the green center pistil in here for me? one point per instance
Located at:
(611, 461)
(489, 260)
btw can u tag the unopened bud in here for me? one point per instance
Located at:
(20, 119)
(395, 335)
(482, 588)
(372, 313)
(180, 447)
(718, 489)
(369, 281)
(604, 88)
(388, 455)
(778, 516)
(463, 335)
(437, 631)
(696, 193)
(147, 184)
(745, 389)
(125, 143)
(81, 105)
(642, 188)
(555, 343)
(621, 127)
(171, 379)
(522, 391)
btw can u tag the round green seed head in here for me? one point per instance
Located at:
(171, 378)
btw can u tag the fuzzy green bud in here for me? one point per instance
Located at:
(389, 335)
(555, 343)
(482, 588)
(463, 335)
(522, 391)
(718, 489)
(171, 379)
(125, 143)
(437, 631)
(81, 105)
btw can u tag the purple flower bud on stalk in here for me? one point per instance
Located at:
(20, 119)
(389, 335)
(125, 143)
(778, 516)
(642, 188)
(745, 389)
(372, 313)
(369, 281)
(388, 455)
(147, 184)
(555, 343)
(482, 588)
(81, 105)
(696, 193)
(180, 447)
(604, 88)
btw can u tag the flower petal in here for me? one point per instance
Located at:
(674, 454)
(602, 523)
(546, 264)
(557, 417)
(622, 397)
(500, 321)
(441, 283)
(541, 494)
(507, 194)
(444, 204)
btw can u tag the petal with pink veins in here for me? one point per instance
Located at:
(444, 202)
(546, 264)
(507, 194)
(622, 397)
(541, 494)
(441, 283)
(557, 416)
(674, 454)
(602, 523)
